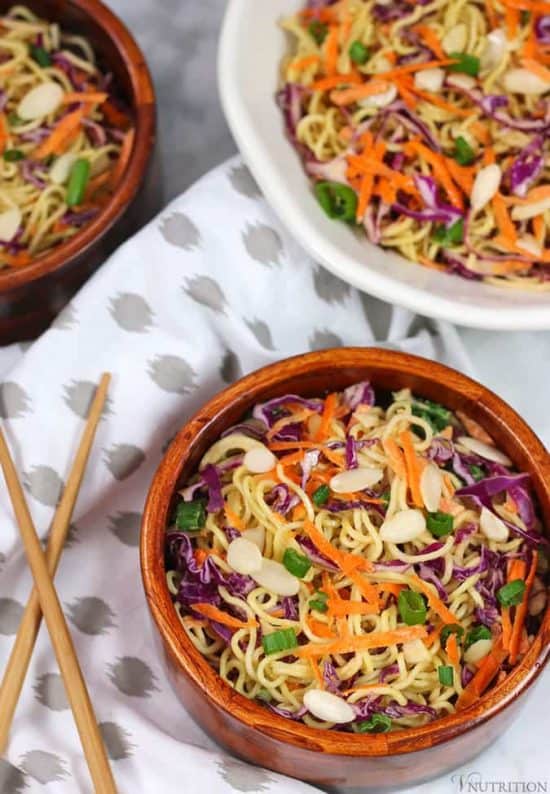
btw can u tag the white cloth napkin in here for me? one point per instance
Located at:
(211, 289)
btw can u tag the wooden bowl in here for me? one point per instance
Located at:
(251, 731)
(31, 296)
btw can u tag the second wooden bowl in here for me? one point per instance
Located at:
(330, 758)
(31, 296)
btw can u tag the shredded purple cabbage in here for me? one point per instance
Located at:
(351, 453)
(270, 411)
(387, 672)
(281, 499)
(252, 427)
(359, 394)
(287, 713)
(542, 29)
(440, 450)
(330, 678)
(527, 167)
(314, 554)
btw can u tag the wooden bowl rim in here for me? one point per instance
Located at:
(144, 108)
(204, 677)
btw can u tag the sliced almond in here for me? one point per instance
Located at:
(61, 168)
(355, 480)
(328, 707)
(455, 39)
(477, 651)
(484, 450)
(431, 486)
(522, 212)
(259, 460)
(40, 101)
(496, 45)
(255, 535)
(492, 526)
(244, 556)
(415, 651)
(275, 578)
(465, 81)
(10, 221)
(380, 100)
(429, 79)
(523, 81)
(403, 527)
(486, 184)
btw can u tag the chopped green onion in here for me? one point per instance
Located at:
(511, 594)
(467, 64)
(263, 694)
(319, 601)
(295, 563)
(317, 30)
(359, 53)
(385, 497)
(412, 607)
(446, 674)
(338, 201)
(320, 495)
(40, 55)
(447, 630)
(14, 120)
(463, 154)
(13, 155)
(378, 723)
(78, 179)
(477, 633)
(476, 472)
(191, 515)
(525, 16)
(282, 640)
(439, 524)
(435, 414)
(449, 236)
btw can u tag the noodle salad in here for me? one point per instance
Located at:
(427, 123)
(355, 564)
(65, 140)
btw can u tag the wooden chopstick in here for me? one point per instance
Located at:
(90, 736)
(18, 663)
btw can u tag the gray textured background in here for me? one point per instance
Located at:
(179, 39)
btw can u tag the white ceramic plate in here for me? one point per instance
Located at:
(251, 48)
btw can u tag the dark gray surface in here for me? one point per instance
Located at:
(179, 39)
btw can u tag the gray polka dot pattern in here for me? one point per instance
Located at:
(132, 677)
(12, 779)
(44, 767)
(179, 230)
(72, 536)
(262, 333)
(243, 777)
(323, 339)
(131, 312)
(44, 484)
(117, 741)
(206, 291)
(50, 692)
(263, 244)
(67, 319)
(91, 615)
(328, 287)
(11, 613)
(14, 402)
(123, 460)
(172, 374)
(79, 395)
(230, 369)
(243, 182)
(126, 526)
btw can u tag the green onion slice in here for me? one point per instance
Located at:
(317, 30)
(191, 516)
(78, 179)
(321, 495)
(446, 674)
(477, 633)
(378, 723)
(13, 155)
(282, 640)
(463, 154)
(439, 524)
(319, 601)
(412, 607)
(359, 53)
(338, 201)
(295, 563)
(447, 630)
(511, 594)
(464, 63)
(40, 55)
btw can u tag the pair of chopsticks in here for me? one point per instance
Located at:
(44, 601)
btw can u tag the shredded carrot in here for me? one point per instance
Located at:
(416, 67)
(322, 14)
(487, 670)
(536, 68)
(95, 184)
(291, 460)
(124, 157)
(535, 195)
(376, 639)
(113, 116)
(506, 628)
(462, 175)
(298, 512)
(346, 562)
(281, 446)
(392, 588)
(20, 259)
(213, 613)
(304, 63)
(480, 131)
(326, 417)
(320, 629)
(511, 17)
(335, 80)
(528, 5)
(442, 103)
(200, 556)
(434, 602)
(363, 688)
(427, 262)
(341, 608)
(347, 96)
(521, 610)
(539, 229)
(3, 133)
(368, 591)
(62, 132)
(331, 50)
(439, 167)
(367, 182)
(90, 97)
(234, 520)
(413, 467)
(432, 637)
(503, 221)
(430, 39)
(452, 650)
(406, 92)
(317, 674)
(395, 458)
(363, 164)
(491, 15)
